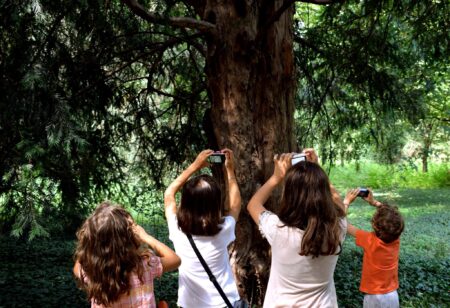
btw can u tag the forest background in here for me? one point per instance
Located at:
(111, 99)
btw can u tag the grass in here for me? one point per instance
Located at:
(391, 176)
(424, 250)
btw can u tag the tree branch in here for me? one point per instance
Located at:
(274, 18)
(179, 22)
(287, 4)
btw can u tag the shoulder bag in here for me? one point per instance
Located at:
(238, 304)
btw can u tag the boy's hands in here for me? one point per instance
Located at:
(351, 195)
(371, 200)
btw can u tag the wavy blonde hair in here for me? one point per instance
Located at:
(107, 251)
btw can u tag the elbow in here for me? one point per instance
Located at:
(174, 263)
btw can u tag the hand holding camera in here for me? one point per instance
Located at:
(217, 157)
(298, 157)
(201, 161)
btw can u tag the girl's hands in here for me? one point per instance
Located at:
(311, 155)
(282, 162)
(229, 159)
(202, 159)
(139, 232)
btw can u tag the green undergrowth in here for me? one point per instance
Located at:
(39, 273)
(424, 248)
(390, 176)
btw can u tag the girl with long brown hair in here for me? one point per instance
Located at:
(305, 235)
(211, 224)
(111, 265)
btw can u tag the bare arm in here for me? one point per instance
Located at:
(170, 204)
(256, 205)
(234, 195)
(371, 200)
(169, 259)
(337, 198)
(351, 229)
(77, 269)
(350, 197)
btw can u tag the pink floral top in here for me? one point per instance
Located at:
(141, 293)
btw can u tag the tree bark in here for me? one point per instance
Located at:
(250, 72)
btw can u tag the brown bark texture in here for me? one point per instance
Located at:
(250, 72)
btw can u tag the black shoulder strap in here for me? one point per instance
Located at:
(208, 271)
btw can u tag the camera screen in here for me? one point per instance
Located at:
(298, 158)
(217, 158)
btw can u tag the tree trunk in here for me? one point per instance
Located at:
(251, 84)
(427, 140)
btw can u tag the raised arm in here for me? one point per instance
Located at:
(371, 200)
(234, 195)
(351, 195)
(256, 205)
(169, 259)
(170, 204)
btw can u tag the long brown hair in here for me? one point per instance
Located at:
(107, 251)
(200, 207)
(307, 204)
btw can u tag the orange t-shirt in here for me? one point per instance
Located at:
(380, 263)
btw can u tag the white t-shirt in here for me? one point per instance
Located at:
(195, 290)
(295, 280)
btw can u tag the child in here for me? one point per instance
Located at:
(109, 265)
(305, 234)
(200, 214)
(379, 279)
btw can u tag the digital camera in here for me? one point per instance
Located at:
(217, 158)
(363, 192)
(298, 157)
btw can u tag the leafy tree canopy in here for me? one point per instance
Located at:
(92, 94)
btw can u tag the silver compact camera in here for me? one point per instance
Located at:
(298, 157)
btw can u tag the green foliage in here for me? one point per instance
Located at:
(38, 274)
(369, 70)
(43, 267)
(424, 248)
(92, 96)
(29, 203)
(390, 176)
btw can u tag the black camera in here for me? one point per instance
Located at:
(217, 158)
(298, 157)
(363, 192)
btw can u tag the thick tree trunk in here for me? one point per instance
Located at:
(251, 84)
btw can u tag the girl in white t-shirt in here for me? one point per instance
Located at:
(200, 214)
(305, 235)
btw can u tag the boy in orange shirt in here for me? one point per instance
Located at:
(379, 278)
